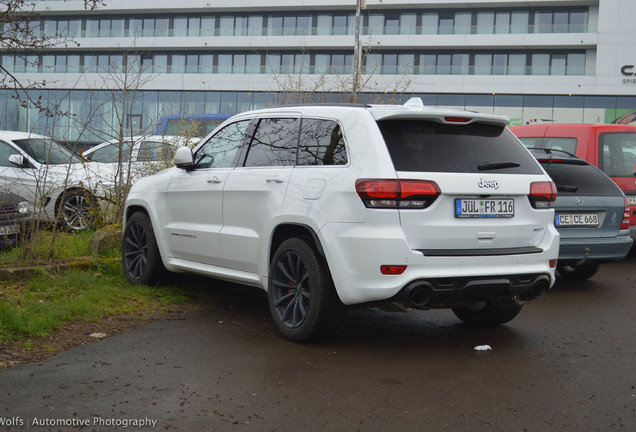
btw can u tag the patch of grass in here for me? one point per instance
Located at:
(40, 306)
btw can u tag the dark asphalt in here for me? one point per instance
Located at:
(566, 363)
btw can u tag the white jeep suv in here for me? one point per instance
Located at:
(329, 206)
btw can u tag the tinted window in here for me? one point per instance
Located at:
(417, 145)
(572, 178)
(110, 153)
(219, 151)
(273, 142)
(617, 154)
(321, 143)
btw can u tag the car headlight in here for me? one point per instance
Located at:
(25, 208)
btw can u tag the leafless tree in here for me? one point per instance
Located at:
(301, 86)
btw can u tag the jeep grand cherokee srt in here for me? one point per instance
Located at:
(330, 206)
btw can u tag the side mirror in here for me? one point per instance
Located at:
(19, 161)
(183, 158)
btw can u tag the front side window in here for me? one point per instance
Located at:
(46, 151)
(321, 143)
(5, 151)
(273, 143)
(219, 151)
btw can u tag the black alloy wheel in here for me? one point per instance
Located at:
(302, 299)
(140, 255)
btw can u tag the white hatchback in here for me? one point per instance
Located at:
(329, 206)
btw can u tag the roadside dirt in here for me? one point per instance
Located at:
(78, 333)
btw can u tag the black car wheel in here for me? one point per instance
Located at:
(140, 255)
(578, 272)
(302, 299)
(486, 314)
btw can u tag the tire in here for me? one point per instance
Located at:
(580, 272)
(140, 255)
(77, 211)
(302, 299)
(486, 314)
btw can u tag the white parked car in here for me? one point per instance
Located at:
(329, 206)
(50, 177)
(136, 156)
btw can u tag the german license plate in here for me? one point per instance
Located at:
(484, 208)
(576, 219)
(9, 229)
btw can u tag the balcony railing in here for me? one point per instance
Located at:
(328, 31)
(312, 70)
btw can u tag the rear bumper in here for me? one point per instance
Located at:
(598, 249)
(438, 293)
(356, 253)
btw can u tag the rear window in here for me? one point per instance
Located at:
(572, 178)
(417, 145)
(617, 153)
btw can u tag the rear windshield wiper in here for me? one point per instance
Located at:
(566, 188)
(495, 165)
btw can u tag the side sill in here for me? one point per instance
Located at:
(223, 273)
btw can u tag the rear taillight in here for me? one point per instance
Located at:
(625, 223)
(395, 193)
(392, 269)
(542, 194)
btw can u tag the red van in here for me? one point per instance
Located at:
(610, 147)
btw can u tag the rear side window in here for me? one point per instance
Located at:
(321, 143)
(273, 142)
(617, 153)
(580, 179)
(565, 144)
(417, 145)
(110, 153)
(532, 142)
(150, 151)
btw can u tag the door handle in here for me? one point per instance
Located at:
(214, 180)
(274, 180)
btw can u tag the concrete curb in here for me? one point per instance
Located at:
(20, 271)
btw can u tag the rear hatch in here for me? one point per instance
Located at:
(494, 198)
(589, 204)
